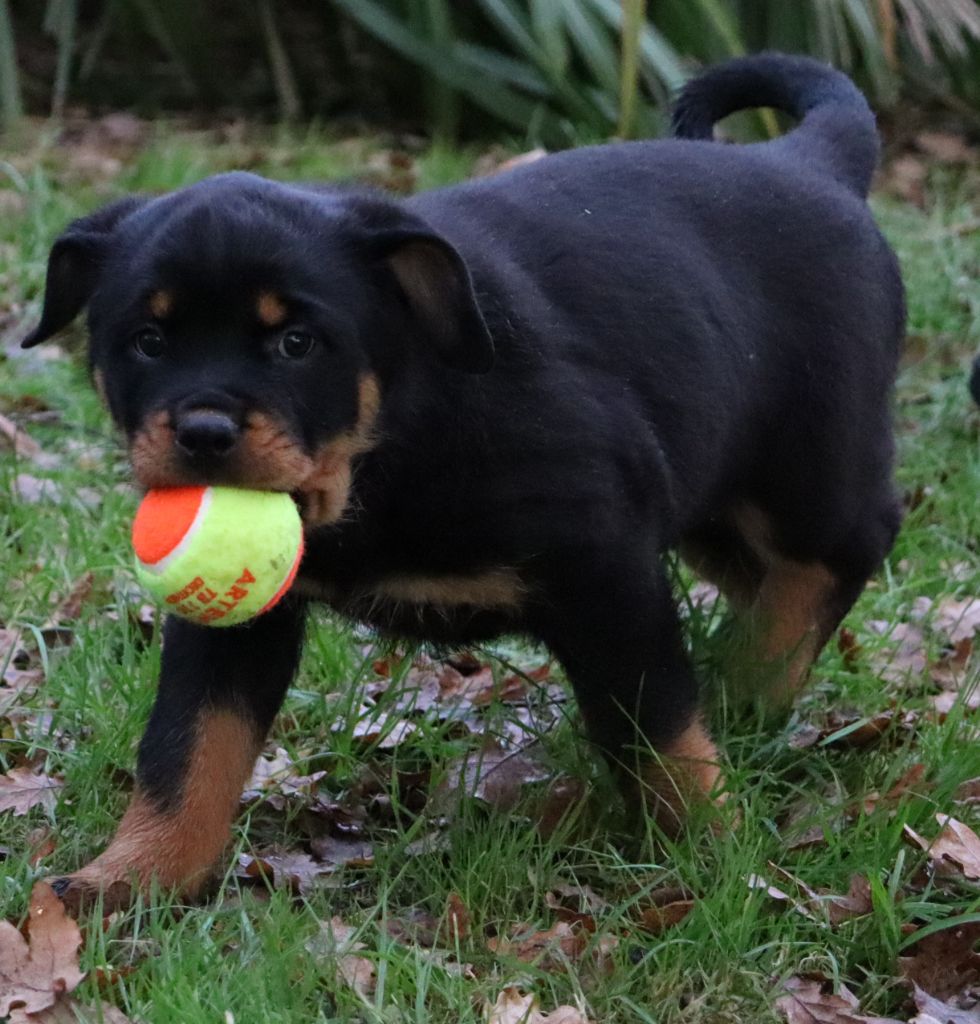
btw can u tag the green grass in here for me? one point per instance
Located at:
(248, 952)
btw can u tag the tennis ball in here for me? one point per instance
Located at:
(217, 556)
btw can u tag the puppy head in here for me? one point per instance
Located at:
(242, 332)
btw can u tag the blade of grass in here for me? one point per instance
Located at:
(634, 12)
(290, 106)
(11, 106)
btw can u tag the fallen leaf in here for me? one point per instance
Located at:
(284, 869)
(957, 619)
(905, 177)
(945, 962)
(813, 1001)
(338, 852)
(549, 949)
(968, 791)
(18, 440)
(955, 851)
(24, 788)
(495, 776)
(456, 926)
(857, 902)
(335, 942)
(903, 656)
(946, 147)
(934, 1011)
(658, 919)
(34, 977)
(513, 1007)
(949, 671)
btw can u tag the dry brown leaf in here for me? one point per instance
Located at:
(550, 949)
(905, 177)
(341, 852)
(949, 671)
(70, 606)
(34, 977)
(18, 440)
(957, 619)
(813, 1001)
(658, 919)
(456, 926)
(934, 1011)
(968, 791)
(857, 902)
(357, 972)
(67, 1011)
(944, 963)
(24, 788)
(513, 1007)
(495, 776)
(903, 655)
(911, 780)
(285, 869)
(946, 147)
(955, 851)
(335, 941)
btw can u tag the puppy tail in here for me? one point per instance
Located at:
(837, 129)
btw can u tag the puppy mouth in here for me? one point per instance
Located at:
(264, 457)
(207, 447)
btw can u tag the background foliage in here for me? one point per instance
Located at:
(542, 70)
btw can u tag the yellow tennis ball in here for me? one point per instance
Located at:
(217, 556)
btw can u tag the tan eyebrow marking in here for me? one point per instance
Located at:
(271, 309)
(162, 303)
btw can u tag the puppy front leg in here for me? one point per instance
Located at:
(613, 624)
(219, 691)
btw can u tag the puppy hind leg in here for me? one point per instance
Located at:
(801, 601)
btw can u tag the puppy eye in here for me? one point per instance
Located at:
(295, 344)
(149, 343)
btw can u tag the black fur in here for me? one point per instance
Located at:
(582, 362)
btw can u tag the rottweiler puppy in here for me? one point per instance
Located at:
(498, 406)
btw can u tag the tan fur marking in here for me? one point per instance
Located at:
(496, 588)
(98, 380)
(151, 452)
(327, 488)
(161, 303)
(792, 621)
(685, 771)
(271, 309)
(180, 848)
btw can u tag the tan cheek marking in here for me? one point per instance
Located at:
(685, 771)
(270, 458)
(179, 848)
(161, 303)
(327, 489)
(497, 588)
(271, 309)
(151, 451)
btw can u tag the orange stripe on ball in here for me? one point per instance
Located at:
(162, 521)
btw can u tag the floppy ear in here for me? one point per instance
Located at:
(437, 286)
(73, 267)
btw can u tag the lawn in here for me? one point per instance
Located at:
(447, 817)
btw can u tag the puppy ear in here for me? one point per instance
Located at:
(73, 267)
(437, 286)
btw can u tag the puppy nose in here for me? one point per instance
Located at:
(206, 433)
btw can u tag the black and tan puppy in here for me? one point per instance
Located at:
(499, 405)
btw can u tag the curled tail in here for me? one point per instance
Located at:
(836, 130)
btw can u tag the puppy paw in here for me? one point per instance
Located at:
(80, 892)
